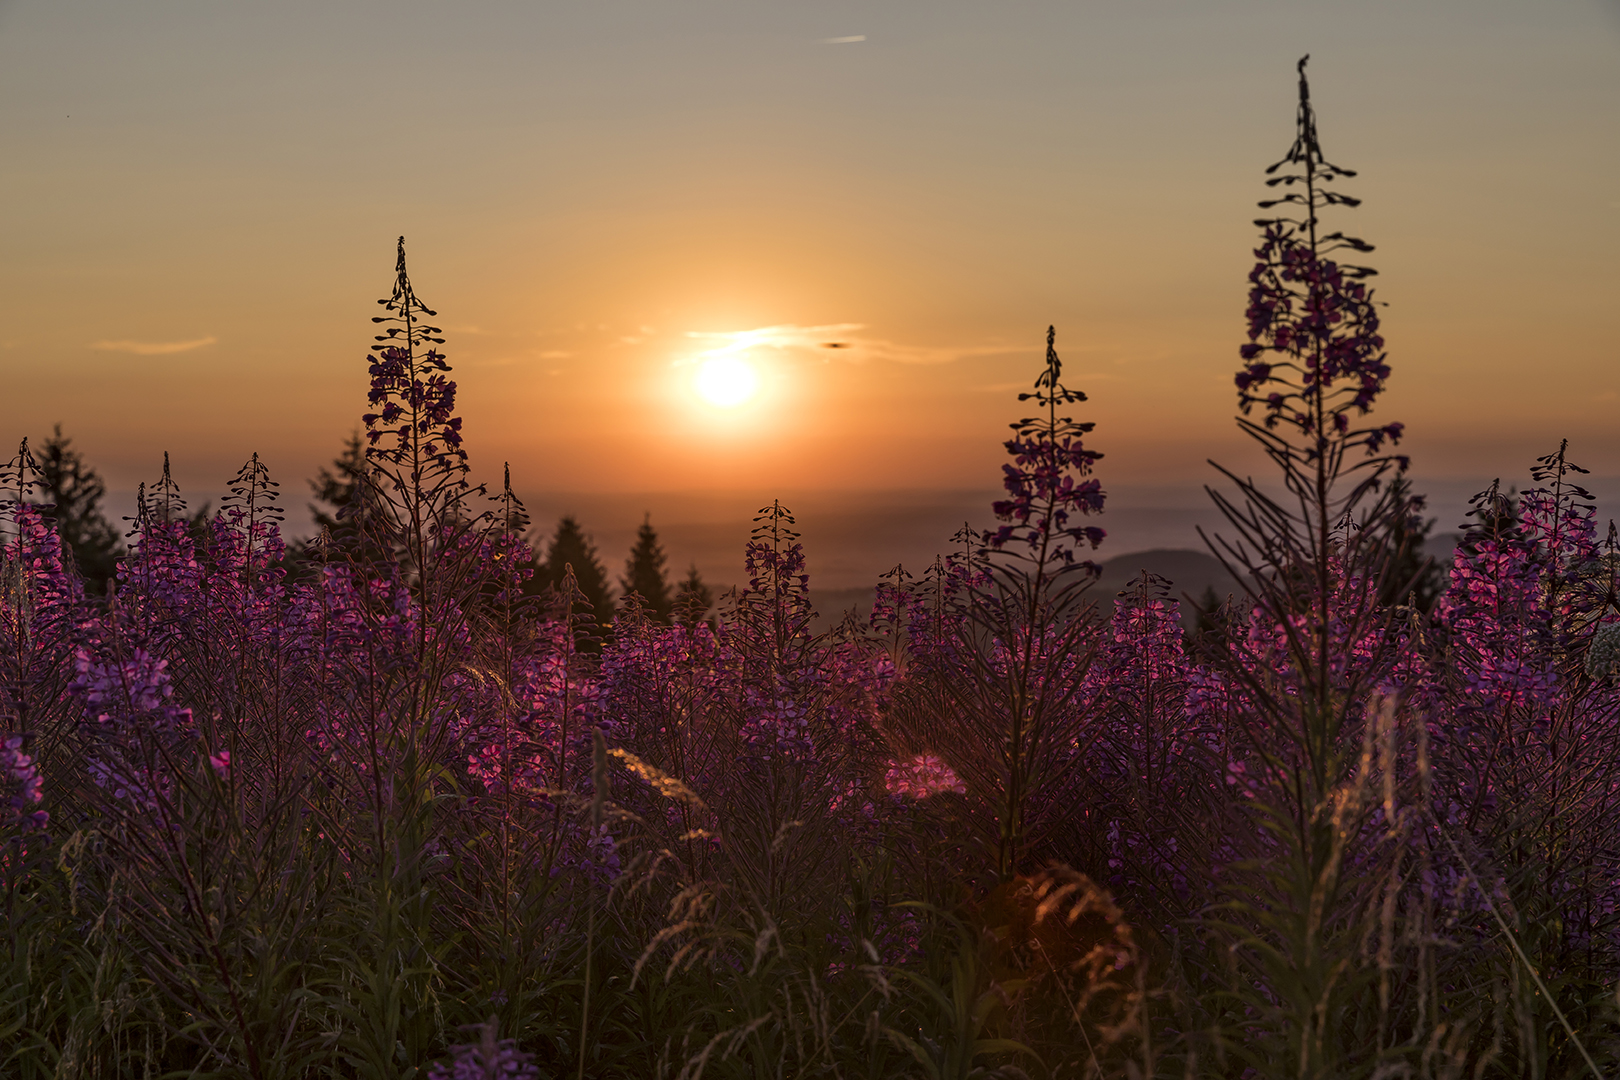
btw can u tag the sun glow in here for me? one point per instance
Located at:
(726, 381)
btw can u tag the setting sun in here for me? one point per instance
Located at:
(726, 381)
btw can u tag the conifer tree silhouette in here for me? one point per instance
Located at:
(644, 573)
(571, 547)
(344, 504)
(335, 485)
(693, 597)
(75, 490)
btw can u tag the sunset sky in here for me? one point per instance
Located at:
(201, 201)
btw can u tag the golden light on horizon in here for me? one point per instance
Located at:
(727, 381)
(760, 261)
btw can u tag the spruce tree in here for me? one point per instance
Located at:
(693, 598)
(1413, 578)
(76, 490)
(335, 486)
(346, 508)
(571, 547)
(644, 574)
(1210, 628)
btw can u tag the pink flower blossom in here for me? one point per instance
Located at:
(922, 776)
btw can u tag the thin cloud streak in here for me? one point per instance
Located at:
(842, 40)
(842, 340)
(932, 354)
(152, 348)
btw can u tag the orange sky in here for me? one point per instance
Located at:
(202, 199)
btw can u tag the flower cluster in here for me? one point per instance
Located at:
(127, 691)
(1500, 627)
(1049, 481)
(414, 421)
(922, 776)
(22, 774)
(1315, 357)
(1329, 364)
(487, 1059)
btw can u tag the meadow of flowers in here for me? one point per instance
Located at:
(370, 808)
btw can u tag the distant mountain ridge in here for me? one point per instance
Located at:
(1191, 573)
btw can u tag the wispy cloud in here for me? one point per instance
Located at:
(152, 348)
(786, 336)
(839, 339)
(932, 354)
(841, 40)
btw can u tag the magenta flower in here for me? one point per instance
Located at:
(1315, 357)
(922, 776)
(1047, 481)
(19, 769)
(414, 425)
(487, 1059)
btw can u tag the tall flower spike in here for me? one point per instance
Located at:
(253, 493)
(156, 505)
(514, 515)
(778, 590)
(507, 557)
(19, 477)
(414, 424)
(1313, 315)
(251, 514)
(165, 498)
(159, 504)
(1048, 479)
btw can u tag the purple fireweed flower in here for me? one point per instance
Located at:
(21, 773)
(127, 695)
(133, 690)
(601, 858)
(1315, 357)
(414, 426)
(1495, 611)
(487, 1059)
(1047, 482)
(1323, 331)
(48, 589)
(922, 776)
(777, 725)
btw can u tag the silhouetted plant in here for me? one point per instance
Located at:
(1024, 638)
(1319, 700)
(1413, 578)
(1315, 364)
(346, 507)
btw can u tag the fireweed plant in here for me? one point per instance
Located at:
(322, 811)
(1314, 714)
